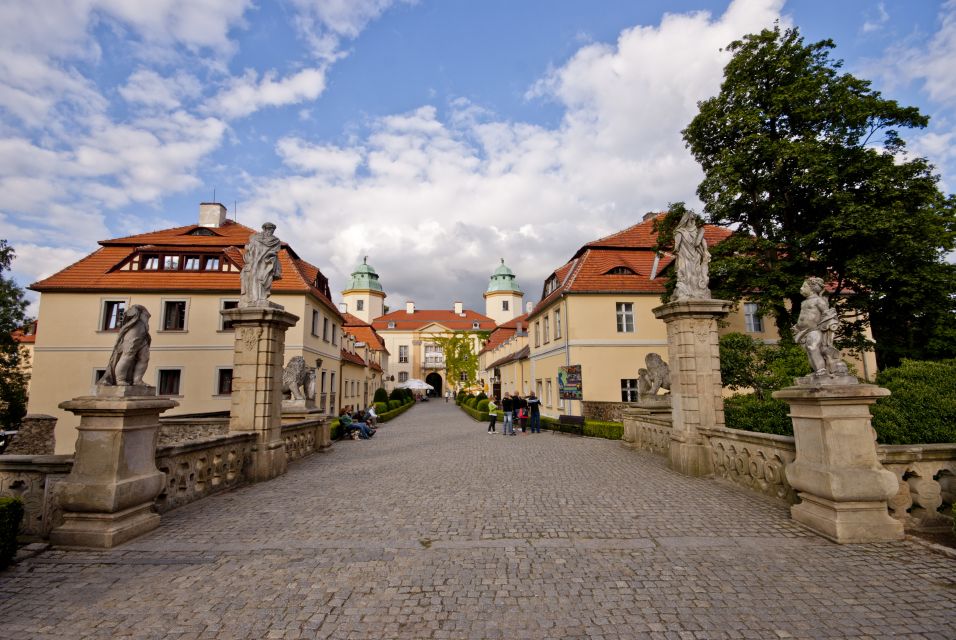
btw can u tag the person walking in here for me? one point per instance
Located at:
(534, 413)
(507, 407)
(492, 415)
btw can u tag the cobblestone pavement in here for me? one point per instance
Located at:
(434, 529)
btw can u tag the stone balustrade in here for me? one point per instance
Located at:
(927, 483)
(194, 468)
(758, 462)
(202, 467)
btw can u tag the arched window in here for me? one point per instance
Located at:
(620, 271)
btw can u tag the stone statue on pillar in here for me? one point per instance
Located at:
(131, 352)
(816, 331)
(261, 267)
(693, 259)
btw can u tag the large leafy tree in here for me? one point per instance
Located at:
(461, 357)
(806, 163)
(13, 382)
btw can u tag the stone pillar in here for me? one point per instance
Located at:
(696, 398)
(842, 486)
(108, 497)
(35, 436)
(257, 384)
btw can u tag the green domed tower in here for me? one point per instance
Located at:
(364, 297)
(503, 297)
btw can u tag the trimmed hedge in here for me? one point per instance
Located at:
(750, 412)
(381, 407)
(592, 428)
(922, 407)
(480, 416)
(394, 404)
(11, 513)
(381, 395)
(482, 405)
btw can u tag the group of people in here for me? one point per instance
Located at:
(525, 412)
(358, 422)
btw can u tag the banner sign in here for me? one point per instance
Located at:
(569, 382)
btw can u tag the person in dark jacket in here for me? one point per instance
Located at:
(507, 407)
(534, 413)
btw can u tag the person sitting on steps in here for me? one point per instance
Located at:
(349, 425)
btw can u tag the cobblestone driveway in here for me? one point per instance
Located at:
(434, 529)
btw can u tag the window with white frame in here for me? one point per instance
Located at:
(625, 317)
(546, 329)
(537, 334)
(753, 321)
(628, 389)
(171, 263)
(174, 315)
(316, 316)
(539, 390)
(403, 376)
(168, 382)
(113, 311)
(325, 329)
(557, 324)
(360, 305)
(504, 305)
(547, 390)
(223, 305)
(335, 334)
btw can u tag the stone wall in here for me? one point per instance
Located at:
(604, 411)
(35, 437)
(186, 429)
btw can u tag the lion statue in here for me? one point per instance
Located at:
(298, 379)
(655, 377)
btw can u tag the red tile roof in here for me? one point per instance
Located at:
(368, 335)
(354, 358)
(503, 332)
(405, 321)
(633, 248)
(521, 354)
(100, 271)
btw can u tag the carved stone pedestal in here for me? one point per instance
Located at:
(696, 398)
(108, 497)
(842, 485)
(257, 384)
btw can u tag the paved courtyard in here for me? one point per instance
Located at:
(434, 529)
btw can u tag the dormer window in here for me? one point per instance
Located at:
(475, 325)
(391, 325)
(149, 262)
(191, 264)
(550, 285)
(212, 263)
(178, 262)
(620, 271)
(201, 231)
(170, 263)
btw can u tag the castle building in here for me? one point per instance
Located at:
(184, 276)
(364, 298)
(504, 297)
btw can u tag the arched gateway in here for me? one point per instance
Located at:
(435, 380)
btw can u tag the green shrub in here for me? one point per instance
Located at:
(381, 407)
(381, 395)
(11, 513)
(481, 396)
(397, 394)
(394, 404)
(598, 429)
(751, 412)
(922, 407)
(482, 405)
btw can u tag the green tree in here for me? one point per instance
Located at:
(747, 363)
(461, 357)
(13, 382)
(807, 165)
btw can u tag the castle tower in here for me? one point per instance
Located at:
(364, 297)
(503, 297)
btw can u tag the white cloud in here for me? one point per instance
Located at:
(877, 23)
(324, 23)
(249, 93)
(436, 199)
(148, 88)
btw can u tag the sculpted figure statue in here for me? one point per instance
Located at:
(816, 329)
(298, 380)
(261, 267)
(693, 258)
(131, 351)
(655, 377)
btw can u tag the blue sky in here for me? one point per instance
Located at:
(433, 136)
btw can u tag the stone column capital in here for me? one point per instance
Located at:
(256, 316)
(703, 308)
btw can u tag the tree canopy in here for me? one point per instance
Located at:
(460, 355)
(807, 165)
(13, 382)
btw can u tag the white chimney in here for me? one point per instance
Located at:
(409, 307)
(458, 308)
(343, 307)
(211, 214)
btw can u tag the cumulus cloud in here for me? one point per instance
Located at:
(931, 64)
(324, 23)
(146, 87)
(249, 93)
(435, 201)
